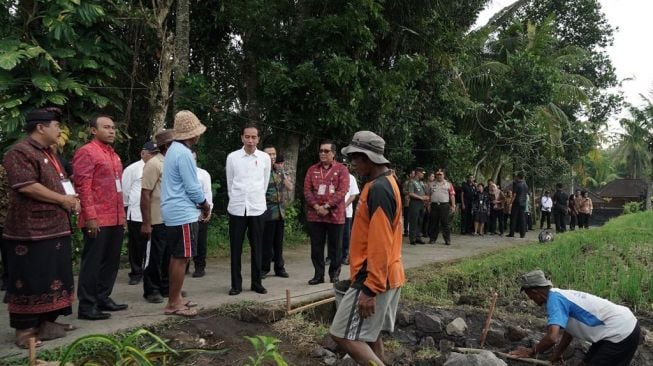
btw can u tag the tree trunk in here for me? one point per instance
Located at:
(182, 48)
(289, 147)
(160, 88)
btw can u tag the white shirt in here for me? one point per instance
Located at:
(353, 191)
(205, 180)
(131, 190)
(547, 204)
(247, 180)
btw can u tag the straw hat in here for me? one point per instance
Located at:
(187, 126)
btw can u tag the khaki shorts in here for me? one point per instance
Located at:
(348, 324)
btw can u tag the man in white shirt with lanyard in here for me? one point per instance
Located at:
(248, 176)
(547, 205)
(131, 193)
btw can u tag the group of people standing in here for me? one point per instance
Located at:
(577, 209)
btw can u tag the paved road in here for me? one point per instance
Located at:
(211, 290)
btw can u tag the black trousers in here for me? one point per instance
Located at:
(606, 353)
(136, 247)
(3, 258)
(496, 217)
(518, 220)
(155, 274)
(440, 214)
(545, 215)
(406, 219)
(320, 232)
(99, 267)
(426, 222)
(466, 219)
(254, 226)
(199, 261)
(583, 220)
(573, 221)
(415, 212)
(273, 246)
(560, 217)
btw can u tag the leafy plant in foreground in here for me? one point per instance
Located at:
(266, 350)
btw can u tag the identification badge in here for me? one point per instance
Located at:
(321, 190)
(332, 189)
(68, 187)
(118, 186)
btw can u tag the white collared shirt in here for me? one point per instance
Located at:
(547, 203)
(247, 181)
(131, 190)
(205, 180)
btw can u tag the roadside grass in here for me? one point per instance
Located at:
(614, 261)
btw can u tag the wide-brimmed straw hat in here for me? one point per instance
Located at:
(187, 125)
(368, 143)
(164, 137)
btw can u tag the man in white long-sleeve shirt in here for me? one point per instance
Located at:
(248, 175)
(199, 261)
(131, 192)
(546, 205)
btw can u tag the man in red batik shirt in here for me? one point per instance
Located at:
(325, 187)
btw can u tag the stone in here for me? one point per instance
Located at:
(516, 333)
(428, 324)
(318, 352)
(496, 337)
(330, 360)
(427, 342)
(329, 343)
(483, 358)
(405, 318)
(457, 327)
(446, 345)
(348, 361)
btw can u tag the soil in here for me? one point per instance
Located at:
(301, 335)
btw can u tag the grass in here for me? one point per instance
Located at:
(614, 261)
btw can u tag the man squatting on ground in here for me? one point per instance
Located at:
(377, 273)
(612, 329)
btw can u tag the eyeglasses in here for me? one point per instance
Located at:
(324, 151)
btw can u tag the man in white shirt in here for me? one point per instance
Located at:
(199, 261)
(248, 176)
(546, 205)
(131, 192)
(351, 195)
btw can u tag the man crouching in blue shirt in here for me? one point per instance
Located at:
(612, 329)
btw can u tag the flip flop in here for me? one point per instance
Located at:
(190, 304)
(22, 341)
(185, 312)
(49, 331)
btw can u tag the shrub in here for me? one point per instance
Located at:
(632, 207)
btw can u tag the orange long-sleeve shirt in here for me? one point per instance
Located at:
(376, 238)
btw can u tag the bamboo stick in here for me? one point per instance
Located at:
(32, 351)
(311, 305)
(288, 304)
(486, 328)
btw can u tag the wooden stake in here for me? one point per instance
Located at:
(32, 351)
(486, 328)
(288, 305)
(312, 305)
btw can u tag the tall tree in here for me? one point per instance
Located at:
(182, 46)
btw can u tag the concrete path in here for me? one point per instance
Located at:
(211, 290)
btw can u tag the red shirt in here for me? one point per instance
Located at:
(28, 162)
(322, 186)
(96, 169)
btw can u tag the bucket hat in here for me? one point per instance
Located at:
(368, 143)
(187, 125)
(532, 279)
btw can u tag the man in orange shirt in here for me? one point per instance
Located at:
(377, 273)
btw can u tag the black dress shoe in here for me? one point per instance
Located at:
(447, 243)
(154, 298)
(259, 289)
(110, 305)
(510, 236)
(419, 241)
(234, 291)
(282, 273)
(93, 314)
(315, 281)
(333, 279)
(198, 273)
(412, 243)
(432, 241)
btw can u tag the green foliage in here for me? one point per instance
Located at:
(131, 350)
(266, 351)
(611, 261)
(632, 207)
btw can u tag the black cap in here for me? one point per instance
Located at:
(420, 169)
(150, 146)
(279, 159)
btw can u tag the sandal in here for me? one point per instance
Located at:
(185, 312)
(190, 304)
(66, 327)
(49, 331)
(23, 337)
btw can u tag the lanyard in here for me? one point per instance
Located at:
(55, 163)
(322, 175)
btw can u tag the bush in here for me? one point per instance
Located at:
(632, 207)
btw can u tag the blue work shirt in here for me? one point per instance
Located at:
(181, 191)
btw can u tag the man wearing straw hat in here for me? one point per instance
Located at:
(612, 329)
(182, 203)
(377, 273)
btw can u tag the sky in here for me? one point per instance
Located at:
(631, 54)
